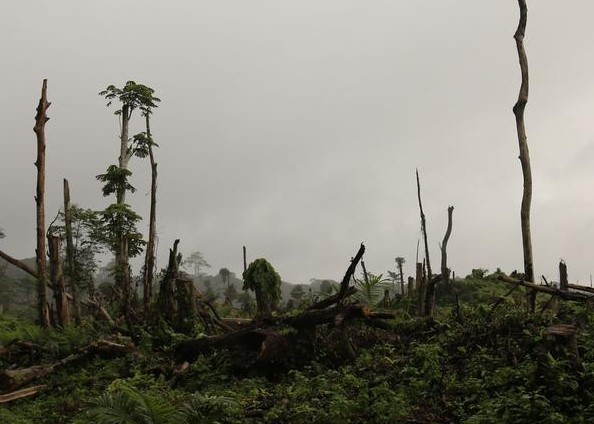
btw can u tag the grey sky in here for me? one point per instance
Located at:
(294, 127)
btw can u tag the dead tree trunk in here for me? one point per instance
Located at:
(410, 288)
(420, 289)
(166, 300)
(57, 281)
(445, 272)
(149, 262)
(424, 228)
(39, 129)
(69, 268)
(244, 259)
(186, 305)
(518, 110)
(563, 283)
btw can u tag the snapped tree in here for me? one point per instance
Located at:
(264, 281)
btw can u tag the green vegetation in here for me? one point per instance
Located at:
(480, 364)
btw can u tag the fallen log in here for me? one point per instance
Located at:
(581, 288)
(267, 338)
(18, 394)
(19, 264)
(565, 295)
(336, 316)
(13, 379)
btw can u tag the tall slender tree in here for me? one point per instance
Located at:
(131, 97)
(518, 110)
(144, 147)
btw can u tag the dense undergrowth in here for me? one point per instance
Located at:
(472, 364)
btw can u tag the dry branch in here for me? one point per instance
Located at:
(345, 290)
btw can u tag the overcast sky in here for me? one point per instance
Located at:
(295, 127)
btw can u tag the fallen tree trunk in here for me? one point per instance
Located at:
(19, 264)
(565, 295)
(261, 338)
(14, 379)
(580, 288)
(18, 394)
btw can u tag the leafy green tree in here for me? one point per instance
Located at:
(131, 97)
(196, 261)
(225, 274)
(89, 240)
(297, 293)
(125, 241)
(327, 287)
(264, 281)
(144, 144)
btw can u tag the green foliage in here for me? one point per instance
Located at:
(87, 229)
(370, 290)
(142, 143)
(487, 366)
(125, 404)
(264, 281)
(119, 220)
(206, 409)
(260, 275)
(132, 96)
(116, 180)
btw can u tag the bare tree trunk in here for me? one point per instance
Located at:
(125, 155)
(563, 283)
(423, 227)
(149, 262)
(126, 283)
(420, 289)
(57, 281)
(518, 109)
(70, 254)
(244, 259)
(400, 263)
(445, 272)
(39, 129)
(167, 290)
